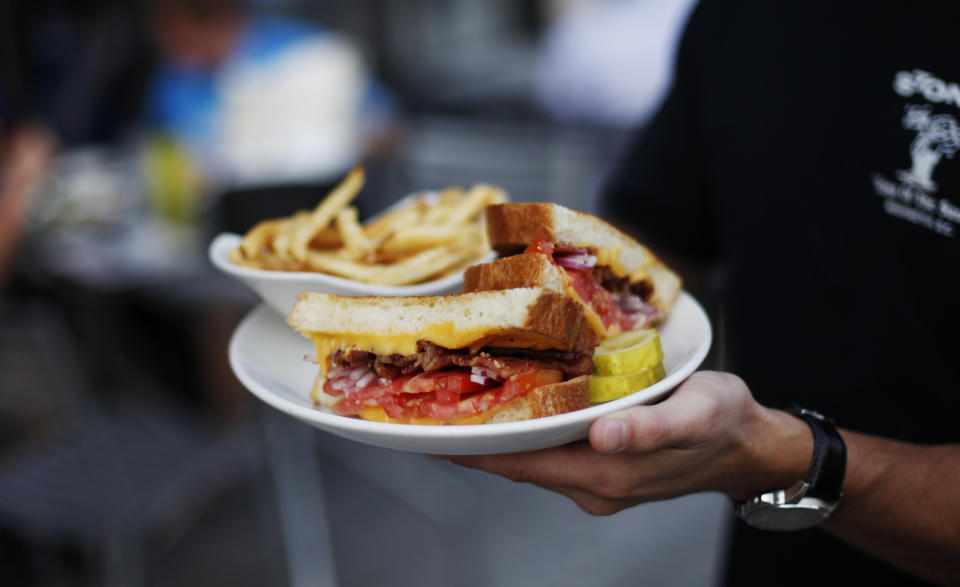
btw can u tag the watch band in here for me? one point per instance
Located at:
(829, 463)
(809, 502)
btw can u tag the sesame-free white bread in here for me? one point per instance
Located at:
(531, 316)
(548, 314)
(523, 270)
(546, 400)
(513, 226)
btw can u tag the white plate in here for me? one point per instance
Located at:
(267, 356)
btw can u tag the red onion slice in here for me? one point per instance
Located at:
(351, 379)
(366, 379)
(631, 303)
(483, 376)
(338, 372)
(576, 261)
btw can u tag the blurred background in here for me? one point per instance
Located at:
(132, 132)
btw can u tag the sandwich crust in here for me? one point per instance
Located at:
(526, 317)
(547, 400)
(523, 270)
(513, 226)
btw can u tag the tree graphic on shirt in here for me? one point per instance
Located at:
(937, 136)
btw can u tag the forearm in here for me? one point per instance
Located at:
(901, 503)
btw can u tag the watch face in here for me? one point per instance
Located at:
(787, 517)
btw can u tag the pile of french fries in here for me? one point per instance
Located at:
(427, 239)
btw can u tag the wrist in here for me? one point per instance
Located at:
(781, 447)
(811, 500)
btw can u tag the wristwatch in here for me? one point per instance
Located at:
(809, 502)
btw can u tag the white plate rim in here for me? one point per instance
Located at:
(332, 422)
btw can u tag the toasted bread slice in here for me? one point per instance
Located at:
(529, 270)
(511, 227)
(533, 318)
(546, 400)
(523, 270)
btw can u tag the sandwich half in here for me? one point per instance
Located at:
(474, 358)
(619, 282)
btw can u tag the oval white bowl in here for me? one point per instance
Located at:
(279, 289)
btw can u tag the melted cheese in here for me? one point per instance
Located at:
(443, 334)
(608, 258)
(639, 275)
(592, 318)
(376, 414)
(611, 259)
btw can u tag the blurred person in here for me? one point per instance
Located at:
(809, 151)
(26, 154)
(71, 75)
(261, 100)
(608, 62)
(77, 66)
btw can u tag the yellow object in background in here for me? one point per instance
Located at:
(626, 363)
(171, 180)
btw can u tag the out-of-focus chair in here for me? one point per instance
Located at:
(102, 481)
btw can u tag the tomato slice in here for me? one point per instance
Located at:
(448, 384)
(521, 383)
(541, 246)
(445, 394)
(377, 393)
(514, 387)
(599, 299)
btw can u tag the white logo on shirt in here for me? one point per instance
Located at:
(933, 89)
(913, 195)
(937, 136)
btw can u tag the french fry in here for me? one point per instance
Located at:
(355, 241)
(425, 239)
(258, 237)
(283, 241)
(417, 238)
(328, 238)
(416, 268)
(325, 212)
(335, 264)
(382, 227)
(446, 201)
(479, 197)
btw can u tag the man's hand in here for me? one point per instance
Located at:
(709, 435)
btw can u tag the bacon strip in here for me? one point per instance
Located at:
(502, 362)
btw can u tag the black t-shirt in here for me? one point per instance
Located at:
(813, 150)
